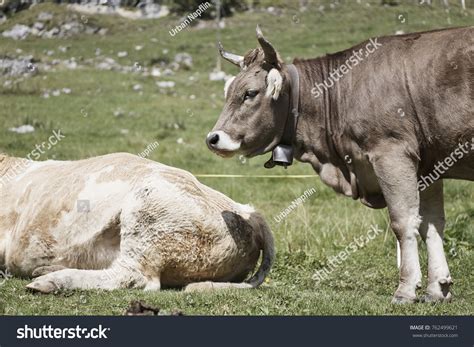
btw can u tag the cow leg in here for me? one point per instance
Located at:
(136, 266)
(431, 231)
(211, 286)
(397, 176)
(43, 270)
(119, 275)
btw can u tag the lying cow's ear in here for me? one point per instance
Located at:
(274, 83)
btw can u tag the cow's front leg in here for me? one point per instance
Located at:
(397, 178)
(432, 230)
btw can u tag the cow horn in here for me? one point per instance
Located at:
(268, 50)
(230, 57)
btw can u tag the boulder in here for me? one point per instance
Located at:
(17, 32)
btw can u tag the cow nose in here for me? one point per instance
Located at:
(212, 139)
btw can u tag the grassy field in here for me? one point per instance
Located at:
(179, 120)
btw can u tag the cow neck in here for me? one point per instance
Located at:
(283, 153)
(330, 107)
(321, 112)
(293, 109)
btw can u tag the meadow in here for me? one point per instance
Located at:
(104, 113)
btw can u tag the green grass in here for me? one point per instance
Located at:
(320, 228)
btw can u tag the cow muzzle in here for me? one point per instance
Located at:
(221, 143)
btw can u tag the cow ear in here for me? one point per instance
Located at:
(227, 85)
(274, 84)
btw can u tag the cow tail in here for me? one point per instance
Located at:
(268, 254)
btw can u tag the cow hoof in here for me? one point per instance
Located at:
(44, 270)
(44, 286)
(402, 300)
(438, 291)
(430, 298)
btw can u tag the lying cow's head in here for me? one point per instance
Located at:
(257, 102)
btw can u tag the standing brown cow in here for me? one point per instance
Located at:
(384, 122)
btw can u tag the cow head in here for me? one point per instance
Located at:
(257, 103)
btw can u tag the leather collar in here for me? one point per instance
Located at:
(282, 154)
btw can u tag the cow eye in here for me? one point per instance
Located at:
(250, 94)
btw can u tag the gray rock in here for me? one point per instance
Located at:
(165, 84)
(17, 67)
(63, 49)
(51, 33)
(119, 112)
(23, 129)
(71, 28)
(151, 10)
(38, 26)
(102, 31)
(91, 30)
(218, 76)
(168, 72)
(45, 16)
(107, 64)
(70, 64)
(183, 60)
(17, 32)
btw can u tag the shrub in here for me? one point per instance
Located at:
(188, 6)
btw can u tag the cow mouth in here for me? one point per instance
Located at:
(229, 154)
(224, 153)
(250, 153)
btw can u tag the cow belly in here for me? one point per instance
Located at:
(463, 169)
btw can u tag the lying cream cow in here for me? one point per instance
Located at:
(120, 221)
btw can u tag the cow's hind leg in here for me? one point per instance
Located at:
(211, 286)
(44, 270)
(432, 230)
(397, 177)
